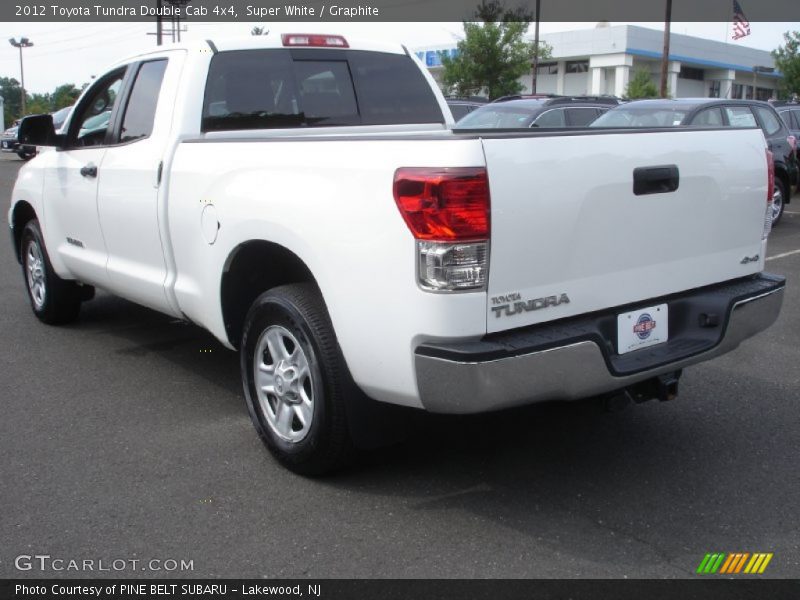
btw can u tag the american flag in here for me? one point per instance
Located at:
(741, 26)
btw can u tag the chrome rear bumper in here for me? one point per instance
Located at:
(499, 373)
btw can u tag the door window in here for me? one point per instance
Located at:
(141, 110)
(772, 124)
(710, 117)
(551, 118)
(740, 116)
(581, 117)
(93, 117)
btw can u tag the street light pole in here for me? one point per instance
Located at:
(22, 43)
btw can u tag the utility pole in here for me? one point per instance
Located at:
(159, 25)
(665, 56)
(536, 47)
(22, 43)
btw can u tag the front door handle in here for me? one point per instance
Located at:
(89, 170)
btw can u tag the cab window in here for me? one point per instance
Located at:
(92, 119)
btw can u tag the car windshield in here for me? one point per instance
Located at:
(637, 116)
(488, 117)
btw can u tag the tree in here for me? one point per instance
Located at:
(787, 61)
(258, 30)
(11, 92)
(641, 86)
(64, 95)
(493, 54)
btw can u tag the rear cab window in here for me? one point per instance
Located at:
(283, 88)
(771, 123)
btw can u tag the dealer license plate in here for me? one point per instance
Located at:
(642, 328)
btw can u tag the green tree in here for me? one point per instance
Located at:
(65, 95)
(39, 104)
(641, 86)
(11, 92)
(787, 61)
(493, 54)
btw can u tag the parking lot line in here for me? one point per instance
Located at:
(783, 255)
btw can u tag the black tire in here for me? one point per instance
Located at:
(60, 301)
(779, 195)
(290, 316)
(26, 155)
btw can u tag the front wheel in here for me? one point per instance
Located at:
(53, 300)
(295, 380)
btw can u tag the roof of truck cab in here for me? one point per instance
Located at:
(257, 42)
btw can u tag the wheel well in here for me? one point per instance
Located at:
(23, 212)
(251, 269)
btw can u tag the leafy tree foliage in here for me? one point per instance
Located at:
(493, 54)
(787, 61)
(641, 86)
(11, 92)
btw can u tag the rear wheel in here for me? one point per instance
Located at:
(53, 300)
(778, 201)
(295, 380)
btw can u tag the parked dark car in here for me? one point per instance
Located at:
(559, 111)
(9, 141)
(790, 113)
(461, 107)
(717, 112)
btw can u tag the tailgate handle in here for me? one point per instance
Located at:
(655, 180)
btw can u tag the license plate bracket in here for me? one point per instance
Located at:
(642, 328)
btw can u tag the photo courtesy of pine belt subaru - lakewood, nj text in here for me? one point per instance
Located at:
(306, 199)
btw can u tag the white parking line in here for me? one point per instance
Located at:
(790, 212)
(783, 255)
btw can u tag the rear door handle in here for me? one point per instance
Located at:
(89, 170)
(660, 179)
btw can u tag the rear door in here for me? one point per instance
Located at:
(570, 236)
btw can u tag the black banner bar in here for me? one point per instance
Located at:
(405, 589)
(385, 10)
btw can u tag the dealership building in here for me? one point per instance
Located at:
(602, 60)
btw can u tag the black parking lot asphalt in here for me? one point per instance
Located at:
(125, 437)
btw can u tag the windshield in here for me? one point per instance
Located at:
(631, 116)
(60, 116)
(497, 116)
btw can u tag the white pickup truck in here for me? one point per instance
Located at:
(306, 200)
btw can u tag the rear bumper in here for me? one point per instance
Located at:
(576, 358)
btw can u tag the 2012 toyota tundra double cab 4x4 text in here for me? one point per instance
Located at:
(306, 200)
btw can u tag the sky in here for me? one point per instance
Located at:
(74, 52)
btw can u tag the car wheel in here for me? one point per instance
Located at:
(778, 201)
(53, 300)
(295, 380)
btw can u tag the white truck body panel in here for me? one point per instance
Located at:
(574, 226)
(563, 218)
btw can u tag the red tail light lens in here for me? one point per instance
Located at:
(314, 40)
(444, 204)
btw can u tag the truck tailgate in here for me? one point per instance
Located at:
(570, 236)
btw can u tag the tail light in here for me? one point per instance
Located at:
(770, 192)
(447, 212)
(314, 40)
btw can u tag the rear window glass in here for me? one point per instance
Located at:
(276, 88)
(641, 117)
(497, 116)
(772, 124)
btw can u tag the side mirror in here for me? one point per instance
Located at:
(38, 130)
